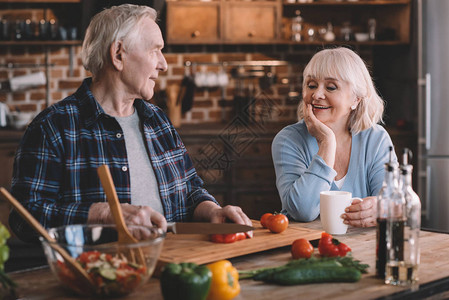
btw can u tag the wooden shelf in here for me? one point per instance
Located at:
(352, 43)
(304, 43)
(350, 3)
(41, 43)
(38, 1)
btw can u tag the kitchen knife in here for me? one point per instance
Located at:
(206, 228)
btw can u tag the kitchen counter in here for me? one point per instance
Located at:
(433, 273)
(209, 129)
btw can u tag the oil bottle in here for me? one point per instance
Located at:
(403, 245)
(389, 187)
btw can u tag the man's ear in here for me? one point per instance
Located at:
(116, 52)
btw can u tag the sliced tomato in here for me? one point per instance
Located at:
(240, 236)
(223, 238)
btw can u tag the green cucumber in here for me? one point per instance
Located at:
(108, 273)
(266, 275)
(314, 274)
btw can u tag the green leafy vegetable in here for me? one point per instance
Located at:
(7, 284)
(314, 266)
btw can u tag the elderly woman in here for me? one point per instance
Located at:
(337, 144)
(108, 121)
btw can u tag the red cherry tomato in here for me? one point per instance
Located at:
(328, 246)
(264, 219)
(344, 249)
(301, 248)
(277, 223)
(223, 238)
(240, 236)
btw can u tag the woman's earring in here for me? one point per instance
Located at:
(354, 107)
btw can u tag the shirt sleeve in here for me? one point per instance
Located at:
(37, 181)
(299, 177)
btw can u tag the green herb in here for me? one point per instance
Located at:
(7, 284)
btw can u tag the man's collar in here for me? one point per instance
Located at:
(92, 110)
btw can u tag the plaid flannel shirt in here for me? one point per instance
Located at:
(55, 169)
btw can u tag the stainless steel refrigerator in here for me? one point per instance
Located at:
(433, 96)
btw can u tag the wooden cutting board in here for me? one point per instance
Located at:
(198, 249)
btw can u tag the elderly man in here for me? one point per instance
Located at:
(108, 121)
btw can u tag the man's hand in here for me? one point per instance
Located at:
(213, 213)
(100, 213)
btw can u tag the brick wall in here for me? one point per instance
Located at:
(210, 104)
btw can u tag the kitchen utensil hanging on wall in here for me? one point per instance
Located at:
(187, 89)
(240, 99)
(173, 104)
(4, 110)
(267, 80)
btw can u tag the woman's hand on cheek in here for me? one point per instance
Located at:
(361, 213)
(315, 127)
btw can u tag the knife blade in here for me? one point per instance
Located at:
(206, 228)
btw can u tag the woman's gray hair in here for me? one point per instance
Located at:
(118, 23)
(344, 64)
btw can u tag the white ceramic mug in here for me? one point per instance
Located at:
(332, 206)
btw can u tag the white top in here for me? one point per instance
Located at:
(144, 186)
(339, 183)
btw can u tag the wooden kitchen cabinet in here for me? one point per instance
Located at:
(249, 23)
(259, 22)
(236, 165)
(222, 21)
(193, 22)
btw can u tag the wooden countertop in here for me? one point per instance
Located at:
(209, 129)
(41, 284)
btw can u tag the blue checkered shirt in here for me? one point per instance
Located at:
(55, 170)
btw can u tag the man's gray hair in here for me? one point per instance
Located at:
(118, 23)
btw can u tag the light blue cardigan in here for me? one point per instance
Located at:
(301, 174)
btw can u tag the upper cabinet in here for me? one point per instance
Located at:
(200, 22)
(193, 22)
(372, 22)
(251, 22)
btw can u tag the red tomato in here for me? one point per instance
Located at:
(344, 249)
(223, 238)
(277, 223)
(240, 236)
(301, 248)
(328, 246)
(264, 219)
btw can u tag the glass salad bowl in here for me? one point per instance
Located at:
(114, 269)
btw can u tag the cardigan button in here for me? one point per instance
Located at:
(118, 135)
(124, 168)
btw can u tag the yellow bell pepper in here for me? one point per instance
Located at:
(225, 281)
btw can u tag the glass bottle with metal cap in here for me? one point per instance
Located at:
(402, 268)
(389, 187)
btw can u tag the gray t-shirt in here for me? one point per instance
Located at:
(144, 187)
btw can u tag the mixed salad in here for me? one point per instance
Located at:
(112, 275)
